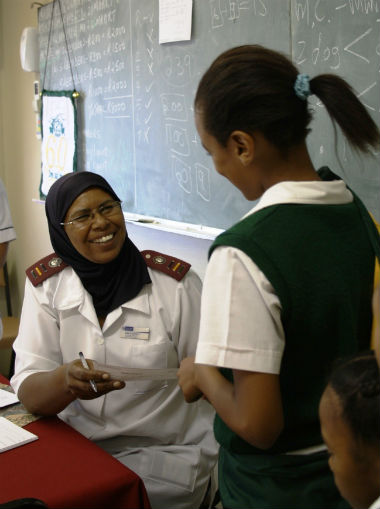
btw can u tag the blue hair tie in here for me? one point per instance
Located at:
(302, 86)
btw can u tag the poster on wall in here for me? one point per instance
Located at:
(59, 137)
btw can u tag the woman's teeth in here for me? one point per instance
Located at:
(106, 238)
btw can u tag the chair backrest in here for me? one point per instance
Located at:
(10, 323)
(4, 283)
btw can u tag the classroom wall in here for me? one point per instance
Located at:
(19, 157)
(20, 163)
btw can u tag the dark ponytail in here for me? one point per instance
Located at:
(345, 108)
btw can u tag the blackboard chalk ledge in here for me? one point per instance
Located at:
(189, 229)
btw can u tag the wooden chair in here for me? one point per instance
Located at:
(10, 322)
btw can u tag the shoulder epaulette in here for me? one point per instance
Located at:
(170, 265)
(45, 268)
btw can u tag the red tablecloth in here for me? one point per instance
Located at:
(66, 470)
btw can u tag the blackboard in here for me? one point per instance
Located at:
(135, 124)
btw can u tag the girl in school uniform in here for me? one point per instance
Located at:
(288, 288)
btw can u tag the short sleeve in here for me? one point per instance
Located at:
(240, 316)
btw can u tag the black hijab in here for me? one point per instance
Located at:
(110, 284)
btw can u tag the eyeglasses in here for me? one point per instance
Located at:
(105, 209)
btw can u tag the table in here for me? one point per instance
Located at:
(66, 470)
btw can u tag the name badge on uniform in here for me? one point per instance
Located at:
(130, 332)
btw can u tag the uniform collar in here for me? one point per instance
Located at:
(306, 192)
(141, 301)
(69, 291)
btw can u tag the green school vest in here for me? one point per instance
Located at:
(320, 262)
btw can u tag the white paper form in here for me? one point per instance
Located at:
(7, 398)
(12, 435)
(175, 20)
(121, 373)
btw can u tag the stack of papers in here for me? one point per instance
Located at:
(12, 435)
(7, 398)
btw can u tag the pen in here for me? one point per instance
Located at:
(86, 366)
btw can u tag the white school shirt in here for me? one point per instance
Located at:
(240, 312)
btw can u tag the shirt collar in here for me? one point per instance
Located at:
(140, 302)
(314, 192)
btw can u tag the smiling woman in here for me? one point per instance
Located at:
(99, 235)
(96, 294)
(111, 269)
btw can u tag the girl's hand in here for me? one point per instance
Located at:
(187, 380)
(77, 379)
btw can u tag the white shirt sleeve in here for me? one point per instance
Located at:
(240, 316)
(186, 314)
(375, 504)
(37, 345)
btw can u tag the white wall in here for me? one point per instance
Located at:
(20, 158)
(187, 248)
(20, 163)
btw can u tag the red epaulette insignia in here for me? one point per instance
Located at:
(45, 268)
(170, 265)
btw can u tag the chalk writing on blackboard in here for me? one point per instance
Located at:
(135, 119)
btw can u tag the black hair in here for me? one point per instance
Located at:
(356, 382)
(252, 88)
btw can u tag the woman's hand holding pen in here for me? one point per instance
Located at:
(78, 381)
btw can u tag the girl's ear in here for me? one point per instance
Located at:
(243, 146)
